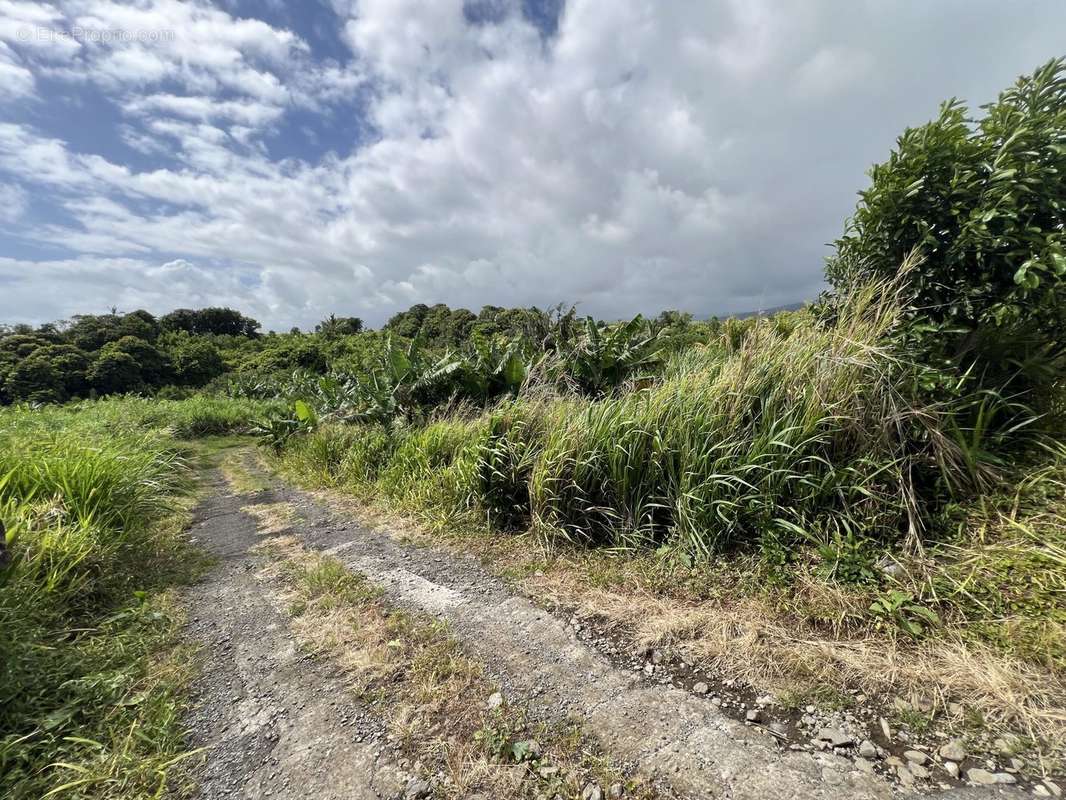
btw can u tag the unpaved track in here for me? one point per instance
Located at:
(275, 723)
(668, 734)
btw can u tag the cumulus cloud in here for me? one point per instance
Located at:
(632, 156)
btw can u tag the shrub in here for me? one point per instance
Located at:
(983, 203)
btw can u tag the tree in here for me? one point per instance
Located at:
(90, 332)
(333, 326)
(115, 372)
(984, 203)
(153, 365)
(287, 353)
(35, 380)
(195, 361)
(217, 321)
(70, 364)
(408, 323)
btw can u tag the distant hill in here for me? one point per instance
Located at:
(765, 312)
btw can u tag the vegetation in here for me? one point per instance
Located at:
(91, 501)
(898, 446)
(888, 463)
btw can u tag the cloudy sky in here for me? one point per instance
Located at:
(294, 159)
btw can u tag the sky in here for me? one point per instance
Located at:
(297, 159)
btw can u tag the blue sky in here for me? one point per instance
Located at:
(296, 159)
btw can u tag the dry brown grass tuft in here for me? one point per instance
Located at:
(272, 518)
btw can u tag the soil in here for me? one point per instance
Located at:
(278, 724)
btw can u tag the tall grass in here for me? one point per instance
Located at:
(88, 495)
(789, 433)
(196, 416)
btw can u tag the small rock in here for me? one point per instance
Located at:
(954, 750)
(1008, 745)
(417, 789)
(894, 761)
(906, 777)
(863, 765)
(1053, 787)
(616, 791)
(753, 715)
(916, 756)
(656, 656)
(982, 777)
(495, 701)
(765, 700)
(835, 737)
(867, 749)
(886, 729)
(592, 792)
(701, 688)
(1041, 791)
(951, 768)
(918, 771)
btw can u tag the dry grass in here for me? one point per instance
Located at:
(272, 518)
(749, 640)
(237, 474)
(432, 696)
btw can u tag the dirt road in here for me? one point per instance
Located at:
(278, 724)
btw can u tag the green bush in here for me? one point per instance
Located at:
(983, 202)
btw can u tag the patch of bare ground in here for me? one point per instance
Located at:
(684, 743)
(311, 685)
(269, 721)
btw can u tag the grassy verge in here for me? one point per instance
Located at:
(94, 499)
(435, 700)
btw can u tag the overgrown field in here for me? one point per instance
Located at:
(94, 498)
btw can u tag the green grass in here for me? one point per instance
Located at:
(192, 418)
(94, 498)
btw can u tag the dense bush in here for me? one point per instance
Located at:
(984, 203)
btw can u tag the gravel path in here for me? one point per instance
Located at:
(680, 740)
(276, 724)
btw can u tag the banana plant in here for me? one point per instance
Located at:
(603, 356)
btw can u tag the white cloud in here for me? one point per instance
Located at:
(13, 202)
(832, 70)
(16, 81)
(695, 156)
